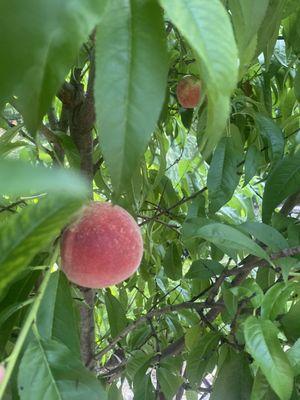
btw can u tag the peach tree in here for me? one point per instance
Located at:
(186, 114)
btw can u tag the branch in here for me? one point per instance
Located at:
(154, 313)
(179, 203)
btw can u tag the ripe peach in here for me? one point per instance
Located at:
(102, 247)
(188, 91)
(2, 373)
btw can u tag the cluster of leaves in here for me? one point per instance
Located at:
(213, 309)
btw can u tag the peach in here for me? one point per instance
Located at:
(102, 247)
(188, 91)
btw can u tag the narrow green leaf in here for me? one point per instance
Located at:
(204, 269)
(29, 231)
(222, 177)
(252, 162)
(144, 390)
(57, 317)
(263, 345)
(114, 393)
(270, 131)
(294, 357)
(172, 263)
(116, 315)
(131, 77)
(26, 179)
(275, 299)
(53, 43)
(227, 236)
(247, 16)
(265, 234)
(207, 28)
(283, 181)
(50, 371)
(234, 379)
(169, 382)
(269, 28)
(200, 355)
(290, 322)
(297, 84)
(261, 389)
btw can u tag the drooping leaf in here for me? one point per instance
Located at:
(268, 31)
(261, 389)
(131, 76)
(275, 299)
(200, 355)
(234, 379)
(252, 162)
(50, 371)
(265, 234)
(144, 390)
(271, 132)
(207, 28)
(247, 16)
(29, 231)
(204, 269)
(57, 317)
(297, 84)
(53, 43)
(222, 177)
(116, 314)
(290, 322)
(27, 179)
(172, 263)
(229, 237)
(283, 181)
(169, 382)
(264, 346)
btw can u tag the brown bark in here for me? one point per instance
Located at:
(79, 116)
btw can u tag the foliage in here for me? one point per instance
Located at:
(89, 109)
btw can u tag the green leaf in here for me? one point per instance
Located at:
(291, 322)
(27, 179)
(252, 162)
(199, 356)
(116, 314)
(57, 317)
(144, 389)
(114, 393)
(169, 382)
(268, 31)
(222, 177)
(283, 181)
(234, 379)
(297, 84)
(271, 132)
(247, 16)
(24, 234)
(50, 371)
(216, 48)
(16, 294)
(204, 269)
(227, 236)
(275, 299)
(263, 345)
(172, 263)
(138, 364)
(53, 42)
(265, 234)
(261, 390)
(294, 357)
(131, 77)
